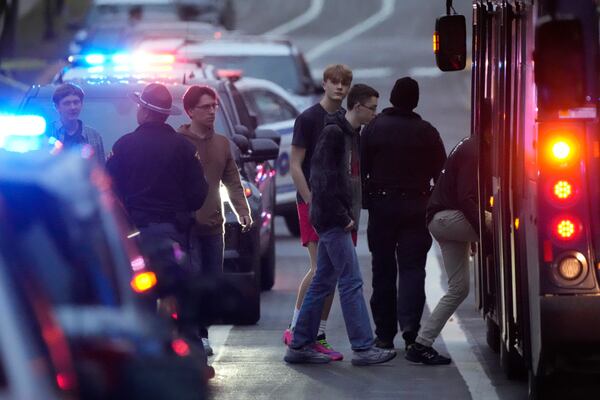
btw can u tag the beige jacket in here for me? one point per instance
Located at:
(219, 166)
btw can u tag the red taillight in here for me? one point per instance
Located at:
(143, 281)
(566, 228)
(180, 347)
(247, 192)
(563, 190)
(65, 381)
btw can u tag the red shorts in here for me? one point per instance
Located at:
(307, 231)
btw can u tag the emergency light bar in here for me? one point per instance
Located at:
(22, 133)
(122, 59)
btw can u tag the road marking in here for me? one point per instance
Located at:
(218, 335)
(387, 9)
(455, 337)
(425, 72)
(316, 6)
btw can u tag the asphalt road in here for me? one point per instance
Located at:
(380, 40)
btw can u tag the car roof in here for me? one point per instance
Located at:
(242, 45)
(116, 87)
(174, 73)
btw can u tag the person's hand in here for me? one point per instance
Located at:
(350, 225)
(308, 199)
(246, 222)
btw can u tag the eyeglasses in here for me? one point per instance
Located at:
(207, 107)
(372, 108)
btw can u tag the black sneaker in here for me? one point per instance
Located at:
(384, 344)
(418, 353)
(409, 339)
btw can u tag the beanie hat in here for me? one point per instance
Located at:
(405, 94)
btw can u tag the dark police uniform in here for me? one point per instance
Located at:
(400, 155)
(159, 179)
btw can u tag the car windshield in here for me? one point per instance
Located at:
(279, 69)
(112, 117)
(66, 255)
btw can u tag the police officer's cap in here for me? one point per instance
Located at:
(156, 97)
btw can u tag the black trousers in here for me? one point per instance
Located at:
(399, 241)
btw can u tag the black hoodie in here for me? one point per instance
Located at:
(335, 175)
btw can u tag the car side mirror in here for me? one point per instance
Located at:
(450, 42)
(559, 63)
(241, 142)
(242, 130)
(268, 134)
(261, 150)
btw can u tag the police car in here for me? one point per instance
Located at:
(108, 108)
(273, 59)
(63, 240)
(275, 110)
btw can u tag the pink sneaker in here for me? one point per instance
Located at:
(322, 346)
(288, 335)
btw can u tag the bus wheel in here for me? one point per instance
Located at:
(538, 387)
(492, 335)
(512, 363)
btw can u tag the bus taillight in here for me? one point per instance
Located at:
(566, 228)
(561, 150)
(563, 190)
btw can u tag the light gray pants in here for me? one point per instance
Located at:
(454, 234)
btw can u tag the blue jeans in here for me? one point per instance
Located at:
(337, 263)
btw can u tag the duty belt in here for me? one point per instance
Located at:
(398, 192)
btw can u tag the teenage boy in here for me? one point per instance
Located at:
(334, 212)
(206, 239)
(70, 130)
(337, 79)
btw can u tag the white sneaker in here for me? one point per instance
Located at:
(207, 349)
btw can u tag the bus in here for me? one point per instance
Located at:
(534, 104)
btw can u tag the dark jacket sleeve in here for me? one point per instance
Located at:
(113, 168)
(438, 156)
(365, 162)
(466, 185)
(195, 185)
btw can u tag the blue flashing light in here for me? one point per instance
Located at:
(22, 133)
(95, 59)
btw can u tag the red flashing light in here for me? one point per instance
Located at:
(231, 74)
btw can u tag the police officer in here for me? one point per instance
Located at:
(400, 156)
(156, 172)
